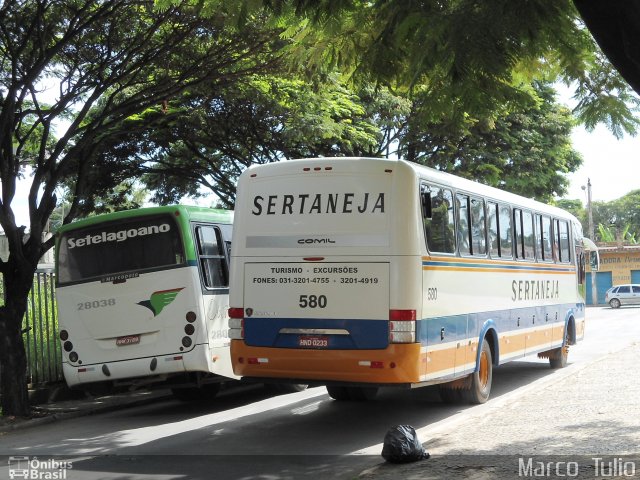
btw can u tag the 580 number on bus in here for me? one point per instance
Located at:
(312, 301)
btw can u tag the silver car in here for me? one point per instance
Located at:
(623, 295)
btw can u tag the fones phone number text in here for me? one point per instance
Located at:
(316, 280)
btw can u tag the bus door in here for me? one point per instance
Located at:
(213, 245)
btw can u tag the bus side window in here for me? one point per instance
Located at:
(504, 225)
(211, 255)
(555, 223)
(478, 227)
(519, 240)
(493, 229)
(528, 235)
(439, 226)
(543, 238)
(538, 236)
(499, 230)
(464, 220)
(563, 238)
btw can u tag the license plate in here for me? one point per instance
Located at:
(313, 342)
(128, 340)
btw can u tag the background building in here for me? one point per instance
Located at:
(619, 264)
(47, 260)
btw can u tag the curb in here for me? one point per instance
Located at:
(114, 404)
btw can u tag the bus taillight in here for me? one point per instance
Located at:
(236, 325)
(402, 315)
(402, 326)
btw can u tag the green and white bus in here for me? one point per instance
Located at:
(142, 299)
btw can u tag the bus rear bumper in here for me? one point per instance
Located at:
(159, 366)
(396, 364)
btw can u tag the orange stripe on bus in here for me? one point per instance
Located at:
(341, 365)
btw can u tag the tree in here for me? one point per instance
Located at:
(525, 151)
(469, 58)
(619, 218)
(574, 207)
(107, 62)
(271, 118)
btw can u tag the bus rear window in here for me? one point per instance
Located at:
(127, 245)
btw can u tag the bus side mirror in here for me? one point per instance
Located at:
(594, 260)
(426, 204)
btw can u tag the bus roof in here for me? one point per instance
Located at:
(421, 171)
(189, 211)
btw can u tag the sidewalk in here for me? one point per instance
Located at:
(51, 412)
(588, 413)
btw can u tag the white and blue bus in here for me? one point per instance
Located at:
(359, 273)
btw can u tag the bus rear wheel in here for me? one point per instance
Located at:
(340, 394)
(450, 395)
(559, 357)
(362, 394)
(482, 378)
(358, 394)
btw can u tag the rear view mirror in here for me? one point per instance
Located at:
(594, 260)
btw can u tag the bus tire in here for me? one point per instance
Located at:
(559, 356)
(559, 360)
(450, 395)
(340, 394)
(482, 378)
(362, 394)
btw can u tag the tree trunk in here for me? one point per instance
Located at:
(13, 371)
(13, 358)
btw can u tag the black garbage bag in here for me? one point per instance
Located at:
(401, 445)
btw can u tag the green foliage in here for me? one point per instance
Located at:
(609, 234)
(525, 152)
(272, 117)
(616, 220)
(574, 207)
(605, 97)
(620, 216)
(606, 234)
(465, 57)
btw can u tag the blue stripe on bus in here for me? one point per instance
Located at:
(374, 334)
(460, 327)
(363, 334)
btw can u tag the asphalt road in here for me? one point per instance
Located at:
(249, 434)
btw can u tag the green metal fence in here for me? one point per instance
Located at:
(40, 330)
